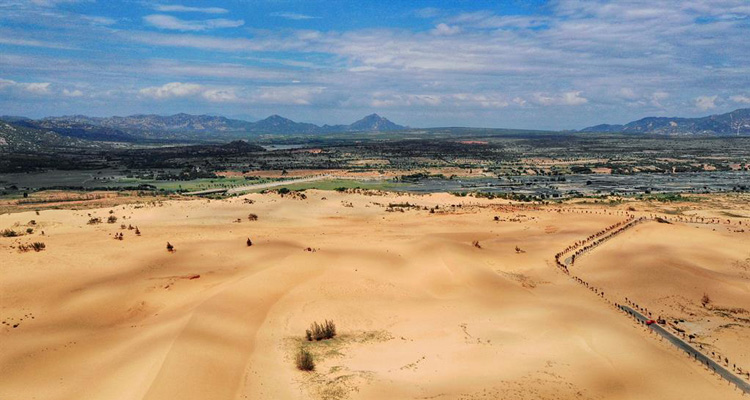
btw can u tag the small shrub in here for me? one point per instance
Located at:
(705, 299)
(252, 217)
(170, 248)
(112, 219)
(8, 233)
(36, 246)
(29, 230)
(94, 221)
(326, 330)
(305, 361)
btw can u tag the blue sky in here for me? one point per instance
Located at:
(519, 64)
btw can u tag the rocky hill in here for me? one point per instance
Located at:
(735, 123)
(19, 138)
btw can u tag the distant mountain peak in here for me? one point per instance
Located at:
(375, 122)
(276, 117)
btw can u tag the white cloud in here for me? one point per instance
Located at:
(181, 8)
(220, 95)
(628, 93)
(191, 90)
(740, 99)
(98, 20)
(35, 88)
(445, 30)
(292, 16)
(704, 103)
(572, 98)
(169, 22)
(657, 98)
(172, 89)
(14, 41)
(428, 12)
(287, 95)
(38, 88)
(72, 93)
(461, 100)
(6, 83)
(52, 3)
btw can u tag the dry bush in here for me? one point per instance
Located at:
(94, 221)
(326, 330)
(8, 233)
(304, 361)
(112, 219)
(252, 217)
(705, 299)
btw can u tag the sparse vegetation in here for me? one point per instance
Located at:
(112, 219)
(252, 217)
(326, 330)
(705, 300)
(304, 360)
(94, 221)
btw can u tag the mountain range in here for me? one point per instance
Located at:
(736, 123)
(80, 131)
(187, 127)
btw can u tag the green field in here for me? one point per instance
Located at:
(193, 185)
(334, 184)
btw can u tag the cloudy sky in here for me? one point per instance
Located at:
(519, 63)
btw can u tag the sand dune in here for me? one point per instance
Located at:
(668, 269)
(421, 312)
